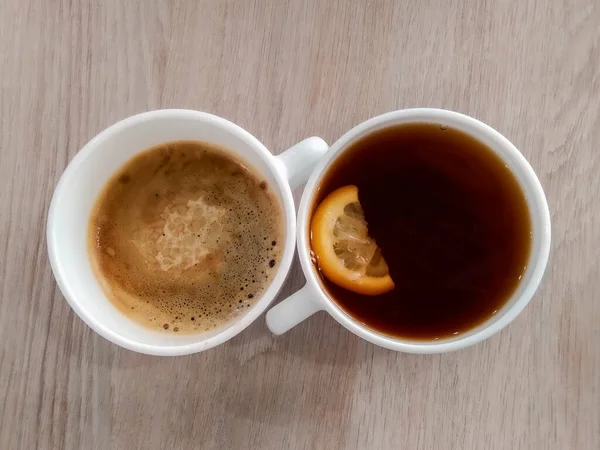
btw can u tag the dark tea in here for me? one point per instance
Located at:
(450, 220)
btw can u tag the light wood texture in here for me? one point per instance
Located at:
(285, 70)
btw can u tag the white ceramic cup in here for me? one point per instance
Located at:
(92, 167)
(312, 298)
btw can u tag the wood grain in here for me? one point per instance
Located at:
(284, 70)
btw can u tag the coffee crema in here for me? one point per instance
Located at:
(451, 221)
(185, 237)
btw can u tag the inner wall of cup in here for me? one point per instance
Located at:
(497, 143)
(78, 192)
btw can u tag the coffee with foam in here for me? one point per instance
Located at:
(184, 237)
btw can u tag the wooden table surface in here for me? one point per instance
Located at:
(285, 70)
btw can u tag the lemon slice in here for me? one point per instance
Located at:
(345, 252)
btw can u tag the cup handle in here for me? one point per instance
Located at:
(299, 161)
(291, 311)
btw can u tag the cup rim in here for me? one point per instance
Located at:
(95, 144)
(421, 115)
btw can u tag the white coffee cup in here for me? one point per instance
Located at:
(312, 298)
(92, 167)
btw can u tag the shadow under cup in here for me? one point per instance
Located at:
(425, 328)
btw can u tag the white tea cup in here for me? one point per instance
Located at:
(93, 166)
(312, 297)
